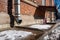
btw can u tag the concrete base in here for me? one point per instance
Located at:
(4, 18)
(28, 20)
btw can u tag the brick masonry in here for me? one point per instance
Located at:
(26, 9)
(3, 5)
(30, 10)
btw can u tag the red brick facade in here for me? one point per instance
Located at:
(3, 5)
(30, 10)
(26, 9)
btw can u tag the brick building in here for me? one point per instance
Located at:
(31, 9)
(26, 9)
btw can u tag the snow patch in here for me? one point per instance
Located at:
(41, 27)
(14, 35)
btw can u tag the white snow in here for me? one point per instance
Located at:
(41, 27)
(14, 35)
(54, 35)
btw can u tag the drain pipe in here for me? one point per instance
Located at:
(43, 2)
(17, 12)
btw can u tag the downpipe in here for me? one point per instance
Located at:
(17, 12)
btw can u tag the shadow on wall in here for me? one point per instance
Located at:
(10, 13)
(40, 11)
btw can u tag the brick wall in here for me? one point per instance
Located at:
(30, 10)
(3, 5)
(4, 17)
(49, 2)
(26, 9)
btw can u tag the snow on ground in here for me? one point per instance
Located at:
(54, 35)
(14, 35)
(41, 27)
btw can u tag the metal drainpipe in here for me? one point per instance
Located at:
(17, 12)
(43, 2)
